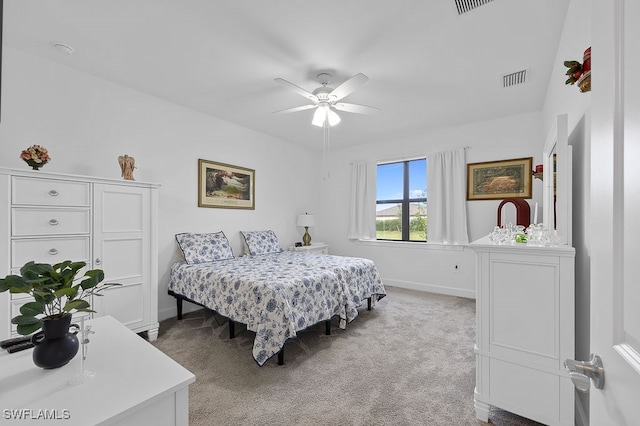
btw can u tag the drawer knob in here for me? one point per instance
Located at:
(53, 222)
(54, 193)
(53, 252)
(98, 261)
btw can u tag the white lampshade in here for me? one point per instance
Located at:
(319, 116)
(306, 220)
(332, 117)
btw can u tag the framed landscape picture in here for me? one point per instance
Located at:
(495, 180)
(225, 186)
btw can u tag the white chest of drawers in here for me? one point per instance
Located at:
(525, 304)
(107, 223)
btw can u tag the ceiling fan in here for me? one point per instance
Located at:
(326, 99)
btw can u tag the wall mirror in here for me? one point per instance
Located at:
(556, 195)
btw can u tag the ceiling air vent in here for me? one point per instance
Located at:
(465, 6)
(514, 78)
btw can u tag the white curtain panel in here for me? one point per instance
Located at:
(446, 197)
(360, 214)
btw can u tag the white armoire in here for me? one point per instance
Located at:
(110, 224)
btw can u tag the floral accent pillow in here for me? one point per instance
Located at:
(201, 248)
(261, 242)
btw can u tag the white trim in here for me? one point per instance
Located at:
(416, 245)
(430, 288)
(400, 160)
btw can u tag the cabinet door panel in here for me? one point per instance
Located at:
(125, 303)
(524, 307)
(123, 258)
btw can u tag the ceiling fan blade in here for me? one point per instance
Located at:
(358, 109)
(295, 109)
(299, 90)
(348, 86)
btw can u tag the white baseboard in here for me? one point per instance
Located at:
(469, 294)
(167, 313)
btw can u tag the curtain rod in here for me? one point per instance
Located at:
(396, 160)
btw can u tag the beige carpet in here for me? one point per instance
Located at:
(409, 361)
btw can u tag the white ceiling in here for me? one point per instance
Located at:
(427, 66)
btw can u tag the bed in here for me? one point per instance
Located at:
(273, 292)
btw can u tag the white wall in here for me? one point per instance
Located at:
(87, 122)
(422, 266)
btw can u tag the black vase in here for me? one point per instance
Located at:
(55, 345)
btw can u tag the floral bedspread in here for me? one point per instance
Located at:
(278, 294)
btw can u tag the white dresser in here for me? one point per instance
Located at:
(317, 248)
(109, 224)
(134, 384)
(525, 330)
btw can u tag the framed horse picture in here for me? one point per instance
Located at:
(225, 186)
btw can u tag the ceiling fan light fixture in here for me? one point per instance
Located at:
(325, 99)
(319, 116)
(333, 118)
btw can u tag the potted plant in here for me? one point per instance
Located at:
(57, 293)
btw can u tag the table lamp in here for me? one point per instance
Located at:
(306, 220)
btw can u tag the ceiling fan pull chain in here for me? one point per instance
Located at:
(325, 138)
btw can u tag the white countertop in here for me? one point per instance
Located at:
(485, 244)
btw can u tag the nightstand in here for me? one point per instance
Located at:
(318, 248)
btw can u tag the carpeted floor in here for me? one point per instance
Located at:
(409, 361)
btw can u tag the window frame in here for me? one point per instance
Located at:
(405, 202)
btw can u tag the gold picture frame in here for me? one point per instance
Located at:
(225, 186)
(496, 180)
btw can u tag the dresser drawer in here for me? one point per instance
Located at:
(32, 222)
(49, 192)
(50, 250)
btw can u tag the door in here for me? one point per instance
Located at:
(121, 248)
(615, 211)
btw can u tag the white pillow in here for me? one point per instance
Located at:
(261, 242)
(201, 248)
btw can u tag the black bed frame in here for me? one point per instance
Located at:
(232, 324)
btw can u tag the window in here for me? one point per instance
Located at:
(401, 201)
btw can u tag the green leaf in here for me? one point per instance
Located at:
(25, 320)
(95, 273)
(32, 309)
(62, 265)
(85, 310)
(95, 276)
(11, 282)
(76, 304)
(25, 330)
(44, 297)
(32, 268)
(70, 292)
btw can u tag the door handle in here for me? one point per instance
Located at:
(581, 371)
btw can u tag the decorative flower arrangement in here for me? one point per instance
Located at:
(36, 156)
(580, 73)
